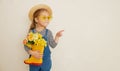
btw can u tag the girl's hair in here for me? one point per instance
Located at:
(35, 15)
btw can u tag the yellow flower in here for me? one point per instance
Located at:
(36, 42)
(30, 36)
(40, 42)
(35, 39)
(43, 42)
(29, 45)
(39, 36)
(35, 36)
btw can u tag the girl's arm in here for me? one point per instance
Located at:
(58, 35)
(53, 41)
(36, 54)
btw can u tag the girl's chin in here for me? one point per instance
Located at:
(44, 25)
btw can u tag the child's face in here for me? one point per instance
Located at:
(44, 18)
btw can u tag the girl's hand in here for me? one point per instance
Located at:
(36, 54)
(58, 35)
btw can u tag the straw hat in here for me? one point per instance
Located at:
(36, 7)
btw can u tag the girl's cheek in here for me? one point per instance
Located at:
(40, 21)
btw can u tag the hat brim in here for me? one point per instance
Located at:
(36, 7)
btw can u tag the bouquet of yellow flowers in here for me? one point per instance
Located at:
(35, 41)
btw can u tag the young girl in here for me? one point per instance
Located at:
(40, 16)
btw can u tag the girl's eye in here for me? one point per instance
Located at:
(43, 17)
(49, 17)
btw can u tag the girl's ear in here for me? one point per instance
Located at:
(36, 20)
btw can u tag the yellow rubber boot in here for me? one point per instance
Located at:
(34, 61)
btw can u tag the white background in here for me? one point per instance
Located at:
(91, 41)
